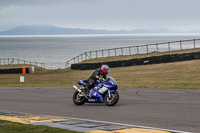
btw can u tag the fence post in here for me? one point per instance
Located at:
(96, 54)
(90, 54)
(13, 60)
(102, 53)
(115, 52)
(122, 51)
(180, 45)
(194, 44)
(85, 56)
(147, 49)
(137, 50)
(68, 64)
(81, 57)
(129, 50)
(157, 47)
(169, 46)
(108, 52)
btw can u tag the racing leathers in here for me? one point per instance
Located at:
(96, 75)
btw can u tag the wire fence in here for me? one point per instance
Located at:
(50, 65)
(121, 51)
(13, 61)
(133, 50)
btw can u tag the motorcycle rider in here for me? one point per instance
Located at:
(99, 74)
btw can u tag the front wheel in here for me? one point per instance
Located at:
(114, 98)
(78, 98)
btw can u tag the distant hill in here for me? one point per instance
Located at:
(49, 30)
(54, 30)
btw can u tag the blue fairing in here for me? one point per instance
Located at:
(112, 91)
(82, 82)
(96, 96)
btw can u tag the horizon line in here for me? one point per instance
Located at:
(110, 30)
(77, 35)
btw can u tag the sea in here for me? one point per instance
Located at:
(55, 50)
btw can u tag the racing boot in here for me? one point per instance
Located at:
(86, 91)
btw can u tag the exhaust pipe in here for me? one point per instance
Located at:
(76, 88)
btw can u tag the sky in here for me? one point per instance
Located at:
(179, 15)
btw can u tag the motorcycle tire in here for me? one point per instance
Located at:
(78, 100)
(113, 100)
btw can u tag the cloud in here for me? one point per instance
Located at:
(103, 14)
(9, 3)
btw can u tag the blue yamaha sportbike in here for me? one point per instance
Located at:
(103, 92)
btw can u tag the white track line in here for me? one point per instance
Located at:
(129, 125)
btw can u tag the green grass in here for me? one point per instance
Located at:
(177, 75)
(9, 127)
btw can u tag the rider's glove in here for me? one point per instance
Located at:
(102, 79)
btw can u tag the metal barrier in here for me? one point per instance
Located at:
(132, 50)
(139, 61)
(49, 65)
(12, 61)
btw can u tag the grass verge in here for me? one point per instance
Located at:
(9, 127)
(177, 75)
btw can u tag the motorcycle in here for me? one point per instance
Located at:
(103, 92)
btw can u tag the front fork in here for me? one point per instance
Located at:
(109, 93)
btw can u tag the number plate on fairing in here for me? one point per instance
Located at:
(95, 94)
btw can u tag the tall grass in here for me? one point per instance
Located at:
(178, 75)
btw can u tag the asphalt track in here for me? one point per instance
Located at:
(159, 108)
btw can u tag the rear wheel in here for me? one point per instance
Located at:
(78, 98)
(114, 98)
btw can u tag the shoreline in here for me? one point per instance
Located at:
(102, 35)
